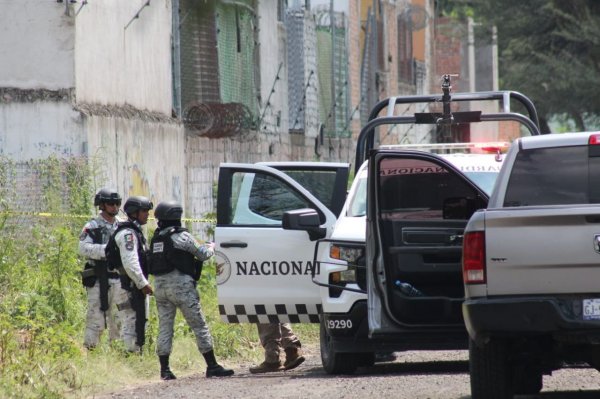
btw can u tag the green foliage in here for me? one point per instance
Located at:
(43, 304)
(549, 50)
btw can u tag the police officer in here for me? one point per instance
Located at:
(103, 287)
(176, 262)
(273, 338)
(126, 253)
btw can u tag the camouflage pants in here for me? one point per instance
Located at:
(96, 320)
(274, 337)
(173, 291)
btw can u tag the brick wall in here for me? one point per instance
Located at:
(448, 52)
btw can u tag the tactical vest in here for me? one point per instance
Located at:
(113, 255)
(164, 257)
(95, 268)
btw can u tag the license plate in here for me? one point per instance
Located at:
(591, 309)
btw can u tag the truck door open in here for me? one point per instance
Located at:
(418, 207)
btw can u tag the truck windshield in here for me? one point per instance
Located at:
(481, 169)
(485, 180)
(553, 176)
(358, 202)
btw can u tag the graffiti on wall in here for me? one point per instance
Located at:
(139, 184)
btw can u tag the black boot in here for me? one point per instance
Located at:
(165, 371)
(213, 368)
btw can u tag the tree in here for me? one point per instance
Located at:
(548, 49)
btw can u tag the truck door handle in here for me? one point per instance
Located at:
(456, 237)
(234, 244)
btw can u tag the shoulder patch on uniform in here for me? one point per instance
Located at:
(157, 247)
(128, 241)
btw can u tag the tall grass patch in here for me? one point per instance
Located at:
(43, 303)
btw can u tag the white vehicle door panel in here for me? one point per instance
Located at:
(264, 273)
(414, 237)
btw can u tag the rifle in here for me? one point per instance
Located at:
(197, 269)
(137, 301)
(100, 268)
(138, 304)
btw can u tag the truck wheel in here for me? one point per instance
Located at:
(490, 369)
(335, 362)
(366, 359)
(528, 381)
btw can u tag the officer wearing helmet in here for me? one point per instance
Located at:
(176, 262)
(103, 287)
(126, 253)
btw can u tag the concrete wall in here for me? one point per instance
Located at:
(120, 59)
(138, 156)
(124, 91)
(36, 45)
(36, 81)
(32, 130)
(272, 53)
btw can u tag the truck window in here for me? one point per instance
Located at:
(417, 189)
(261, 199)
(319, 183)
(549, 176)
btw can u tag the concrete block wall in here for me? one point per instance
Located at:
(121, 59)
(38, 127)
(141, 155)
(36, 45)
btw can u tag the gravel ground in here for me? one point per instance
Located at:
(413, 375)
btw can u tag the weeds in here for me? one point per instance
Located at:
(43, 304)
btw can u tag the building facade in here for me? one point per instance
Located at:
(158, 94)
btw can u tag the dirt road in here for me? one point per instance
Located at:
(413, 375)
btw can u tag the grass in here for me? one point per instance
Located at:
(43, 304)
(234, 344)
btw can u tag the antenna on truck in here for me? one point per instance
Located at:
(446, 119)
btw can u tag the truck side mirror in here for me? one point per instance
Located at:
(306, 219)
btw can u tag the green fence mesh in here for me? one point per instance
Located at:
(235, 39)
(333, 70)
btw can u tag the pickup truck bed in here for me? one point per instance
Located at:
(531, 266)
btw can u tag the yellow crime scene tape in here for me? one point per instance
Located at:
(73, 216)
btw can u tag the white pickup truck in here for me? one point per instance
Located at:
(291, 247)
(531, 266)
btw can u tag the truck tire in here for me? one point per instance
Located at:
(366, 359)
(528, 381)
(335, 362)
(491, 371)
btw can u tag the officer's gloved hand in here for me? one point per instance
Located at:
(147, 290)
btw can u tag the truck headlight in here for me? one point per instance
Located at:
(344, 276)
(348, 254)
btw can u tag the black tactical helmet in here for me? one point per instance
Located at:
(168, 210)
(135, 203)
(107, 195)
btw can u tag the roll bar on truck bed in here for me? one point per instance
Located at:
(366, 137)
